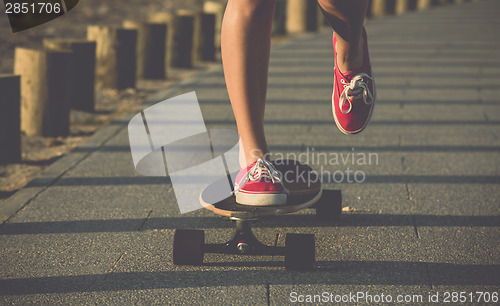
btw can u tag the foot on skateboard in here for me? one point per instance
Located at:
(299, 249)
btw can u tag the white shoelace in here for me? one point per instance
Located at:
(261, 169)
(355, 89)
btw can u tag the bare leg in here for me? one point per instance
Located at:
(245, 47)
(346, 18)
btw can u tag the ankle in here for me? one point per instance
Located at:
(349, 58)
(248, 158)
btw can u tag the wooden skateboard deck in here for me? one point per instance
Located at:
(301, 181)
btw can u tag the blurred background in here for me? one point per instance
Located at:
(74, 23)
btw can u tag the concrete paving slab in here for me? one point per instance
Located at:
(368, 197)
(343, 294)
(467, 196)
(453, 138)
(59, 255)
(465, 240)
(455, 164)
(463, 252)
(233, 295)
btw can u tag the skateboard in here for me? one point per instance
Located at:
(305, 190)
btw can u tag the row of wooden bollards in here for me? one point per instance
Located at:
(298, 16)
(64, 73)
(388, 7)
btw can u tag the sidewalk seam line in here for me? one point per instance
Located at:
(115, 265)
(415, 226)
(429, 275)
(268, 294)
(145, 220)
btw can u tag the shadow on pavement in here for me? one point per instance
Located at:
(344, 273)
(293, 220)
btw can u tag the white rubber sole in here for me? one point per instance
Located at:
(260, 199)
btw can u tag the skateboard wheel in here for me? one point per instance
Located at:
(329, 207)
(188, 247)
(300, 252)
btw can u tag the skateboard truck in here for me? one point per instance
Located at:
(244, 242)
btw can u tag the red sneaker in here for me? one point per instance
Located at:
(353, 94)
(260, 184)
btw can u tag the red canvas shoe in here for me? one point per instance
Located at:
(353, 94)
(260, 184)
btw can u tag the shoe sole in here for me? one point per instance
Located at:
(260, 199)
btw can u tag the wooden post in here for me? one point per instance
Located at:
(179, 38)
(377, 8)
(203, 48)
(382, 7)
(217, 8)
(206, 44)
(301, 16)
(196, 32)
(10, 117)
(425, 4)
(412, 5)
(182, 43)
(83, 72)
(115, 56)
(150, 51)
(279, 21)
(45, 90)
(165, 18)
(402, 6)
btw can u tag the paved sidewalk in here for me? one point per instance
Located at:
(426, 218)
